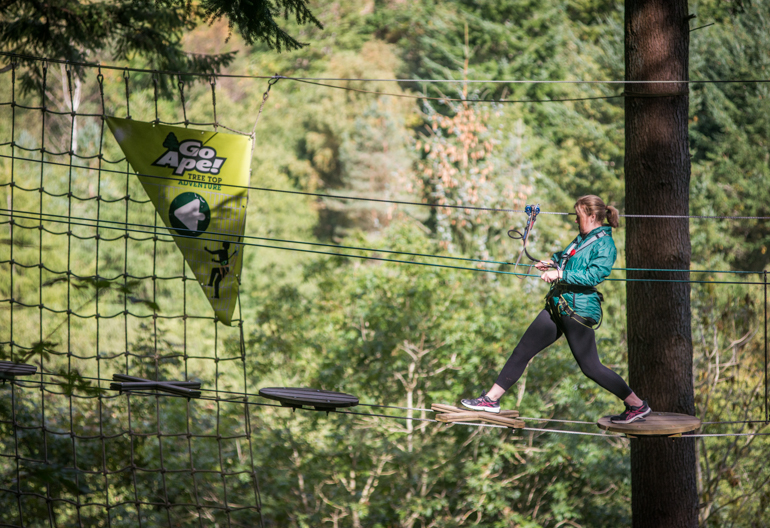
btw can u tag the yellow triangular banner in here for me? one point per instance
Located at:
(198, 183)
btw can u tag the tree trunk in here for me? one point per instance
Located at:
(657, 169)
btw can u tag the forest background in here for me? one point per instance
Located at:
(401, 334)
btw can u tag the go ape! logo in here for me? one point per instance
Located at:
(189, 155)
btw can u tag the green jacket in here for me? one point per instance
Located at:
(588, 267)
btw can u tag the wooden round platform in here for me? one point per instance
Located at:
(654, 424)
(321, 400)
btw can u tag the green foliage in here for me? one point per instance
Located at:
(390, 334)
(729, 128)
(41, 350)
(411, 336)
(55, 475)
(256, 20)
(77, 31)
(463, 165)
(71, 382)
(728, 364)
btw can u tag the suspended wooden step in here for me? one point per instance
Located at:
(9, 370)
(449, 414)
(654, 424)
(321, 400)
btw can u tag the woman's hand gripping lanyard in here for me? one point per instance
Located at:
(532, 211)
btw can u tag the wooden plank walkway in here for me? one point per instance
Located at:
(654, 424)
(450, 413)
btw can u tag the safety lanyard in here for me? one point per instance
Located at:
(532, 211)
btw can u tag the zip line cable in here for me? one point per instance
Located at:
(451, 99)
(341, 197)
(31, 58)
(339, 246)
(160, 231)
(266, 189)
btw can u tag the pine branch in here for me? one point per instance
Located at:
(255, 19)
(76, 29)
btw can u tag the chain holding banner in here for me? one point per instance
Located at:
(189, 176)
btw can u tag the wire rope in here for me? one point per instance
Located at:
(340, 246)
(255, 395)
(28, 384)
(444, 99)
(377, 200)
(156, 232)
(208, 75)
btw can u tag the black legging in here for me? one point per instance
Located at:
(543, 332)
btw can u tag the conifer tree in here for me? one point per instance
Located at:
(79, 31)
(660, 348)
(462, 167)
(464, 164)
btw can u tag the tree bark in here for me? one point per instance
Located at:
(657, 170)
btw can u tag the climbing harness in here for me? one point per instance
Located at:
(563, 306)
(532, 211)
(558, 289)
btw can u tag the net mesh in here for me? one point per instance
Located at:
(83, 303)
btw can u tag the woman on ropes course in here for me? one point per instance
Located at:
(572, 309)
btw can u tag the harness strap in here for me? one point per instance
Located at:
(572, 314)
(563, 305)
(575, 248)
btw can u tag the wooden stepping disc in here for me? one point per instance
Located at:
(8, 369)
(320, 399)
(654, 424)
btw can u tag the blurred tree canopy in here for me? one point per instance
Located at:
(152, 30)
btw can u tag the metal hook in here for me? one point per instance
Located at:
(532, 211)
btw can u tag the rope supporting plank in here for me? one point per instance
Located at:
(436, 408)
(447, 409)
